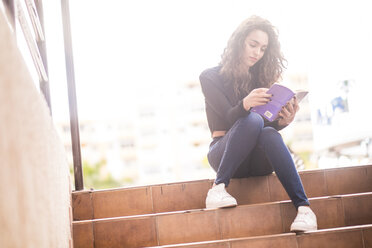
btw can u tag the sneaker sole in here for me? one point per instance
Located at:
(301, 228)
(221, 205)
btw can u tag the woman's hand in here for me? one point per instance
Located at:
(286, 116)
(257, 97)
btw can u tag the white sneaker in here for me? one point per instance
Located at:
(304, 221)
(218, 198)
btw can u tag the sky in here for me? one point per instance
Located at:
(123, 48)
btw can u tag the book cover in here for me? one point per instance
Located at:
(280, 96)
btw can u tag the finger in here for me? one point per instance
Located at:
(286, 113)
(263, 99)
(262, 102)
(290, 108)
(286, 108)
(263, 89)
(294, 107)
(282, 118)
(282, 115)
(259, 102)
(264, 94)
(260, 90)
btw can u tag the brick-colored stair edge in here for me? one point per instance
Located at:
(354, 236)
(242, 221)
(212, 180)
(191, 195)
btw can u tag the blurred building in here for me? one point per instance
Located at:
(161, 141)
(299, 135)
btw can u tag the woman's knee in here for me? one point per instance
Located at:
(252, 121)
(247, 128)
(270, 134)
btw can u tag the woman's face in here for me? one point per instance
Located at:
(255, 46)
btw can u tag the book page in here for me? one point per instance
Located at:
(301, 95)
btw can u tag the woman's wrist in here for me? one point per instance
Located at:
(246, 106)
(281, 122)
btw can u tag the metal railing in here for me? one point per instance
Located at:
(74, 121)
(37, 48)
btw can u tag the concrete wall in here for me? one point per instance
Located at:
(35, 190)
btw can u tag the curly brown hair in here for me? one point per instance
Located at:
(266, 71)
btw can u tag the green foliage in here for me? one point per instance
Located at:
(96, 176)
(306, 157)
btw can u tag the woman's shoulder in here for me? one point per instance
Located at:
(211, 74)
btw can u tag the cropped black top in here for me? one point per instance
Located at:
(222, 106)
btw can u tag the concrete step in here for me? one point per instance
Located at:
(342, 237)
(191, 195)
(206, 225)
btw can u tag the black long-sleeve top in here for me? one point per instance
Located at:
(222, 106)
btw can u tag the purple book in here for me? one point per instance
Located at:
(281, 95)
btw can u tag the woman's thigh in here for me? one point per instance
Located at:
(256, 164)
(243, 134)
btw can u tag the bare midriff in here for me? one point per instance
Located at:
(218, 134)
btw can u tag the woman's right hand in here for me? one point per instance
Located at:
(257, 97)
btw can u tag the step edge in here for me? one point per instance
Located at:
(200, 210)
(317, 232)
(144, 186)
(211, 180)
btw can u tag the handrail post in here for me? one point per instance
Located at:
(70, 73)
(44, 84)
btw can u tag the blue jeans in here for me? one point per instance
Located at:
(250, 149)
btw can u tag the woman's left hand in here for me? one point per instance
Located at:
(286, 116)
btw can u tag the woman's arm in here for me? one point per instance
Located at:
(217, 100)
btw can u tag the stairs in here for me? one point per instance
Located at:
(173, 215)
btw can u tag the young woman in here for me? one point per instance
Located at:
(245, 144)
